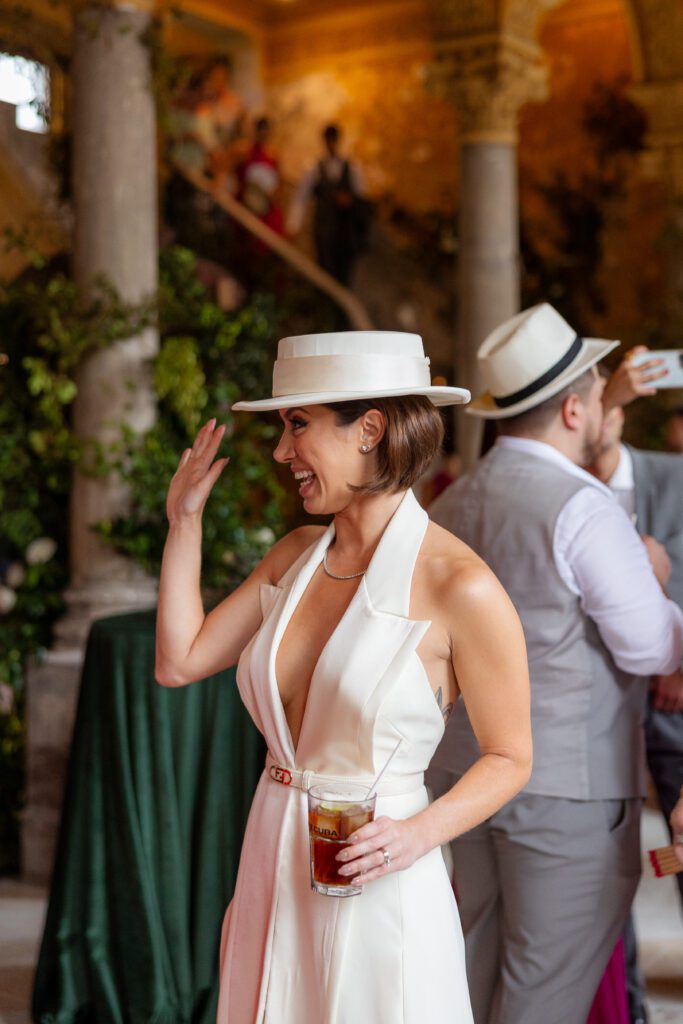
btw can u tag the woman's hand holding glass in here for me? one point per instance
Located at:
(380, 847)
(196, 475)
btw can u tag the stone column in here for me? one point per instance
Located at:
(488, 82)
(115, 211)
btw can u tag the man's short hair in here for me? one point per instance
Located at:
(332, 133)
(535, 420)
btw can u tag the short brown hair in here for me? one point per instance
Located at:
(413, 437)
(542, 415)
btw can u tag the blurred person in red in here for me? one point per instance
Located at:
(258, 178)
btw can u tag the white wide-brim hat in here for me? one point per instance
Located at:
(344, 366)
(529, 358)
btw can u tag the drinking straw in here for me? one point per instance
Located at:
(373, 787)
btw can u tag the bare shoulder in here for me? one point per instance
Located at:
(455, 577)
(283, 554)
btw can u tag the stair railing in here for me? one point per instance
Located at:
(355, 311)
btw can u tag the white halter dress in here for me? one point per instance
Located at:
(395, 953)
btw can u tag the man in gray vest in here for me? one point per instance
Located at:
(649, 486)
(546, 884)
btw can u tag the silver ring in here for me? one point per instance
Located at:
(387, 858)
(678, 838)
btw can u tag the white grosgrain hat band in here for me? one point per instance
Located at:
(343, 366)
(343, 373)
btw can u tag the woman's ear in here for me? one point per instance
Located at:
(373, 426)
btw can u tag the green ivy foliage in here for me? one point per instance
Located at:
(45, 328)
(207, 359)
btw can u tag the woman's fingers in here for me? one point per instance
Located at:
(199, 437)
(205, 446)
(215, 471)
(203, 437)
(361, 867)
(197, 472)
(365, 849)
(207, 453)
(364, 838)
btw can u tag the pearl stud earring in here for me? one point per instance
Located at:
(365, 448)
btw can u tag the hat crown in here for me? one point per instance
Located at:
(524, 349)
(342, 366)
(352, 343)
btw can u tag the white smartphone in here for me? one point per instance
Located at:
(672, 362)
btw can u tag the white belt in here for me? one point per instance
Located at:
(305, 779)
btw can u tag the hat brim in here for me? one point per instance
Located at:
(592, 351)
(437, 396)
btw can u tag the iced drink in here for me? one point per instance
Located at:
(333, 815)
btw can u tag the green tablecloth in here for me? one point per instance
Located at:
(159, 787)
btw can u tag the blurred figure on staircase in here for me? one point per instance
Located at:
(341, 212)
(258, 178)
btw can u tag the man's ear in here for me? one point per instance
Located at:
(572, 412)
(373, 427)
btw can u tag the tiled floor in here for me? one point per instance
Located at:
(658, 921)
(22, 910)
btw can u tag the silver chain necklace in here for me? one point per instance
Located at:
(335, 576)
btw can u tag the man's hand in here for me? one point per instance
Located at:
(629, 382)
(668, 693)
(659, 559)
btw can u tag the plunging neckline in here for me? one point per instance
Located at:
(378, 587)
(282, 629)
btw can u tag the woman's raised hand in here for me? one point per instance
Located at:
(196, 474)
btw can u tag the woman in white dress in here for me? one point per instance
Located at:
(347, 639)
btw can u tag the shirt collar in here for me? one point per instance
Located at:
(622, 478)
(530, 446)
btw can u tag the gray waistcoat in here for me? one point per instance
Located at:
(586, 713)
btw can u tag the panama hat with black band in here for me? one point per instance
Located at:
(530, 358)
(346, 366)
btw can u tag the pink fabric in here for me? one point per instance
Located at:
(610, 1005)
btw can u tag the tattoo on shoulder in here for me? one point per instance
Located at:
(445, 711)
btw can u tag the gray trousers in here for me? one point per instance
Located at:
(544, 889)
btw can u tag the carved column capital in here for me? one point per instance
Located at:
(663, 156)
(488, 79)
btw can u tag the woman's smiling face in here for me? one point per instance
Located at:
(323, 456)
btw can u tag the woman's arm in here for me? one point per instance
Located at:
(181, 656)
(490, 664)
(189, 644)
